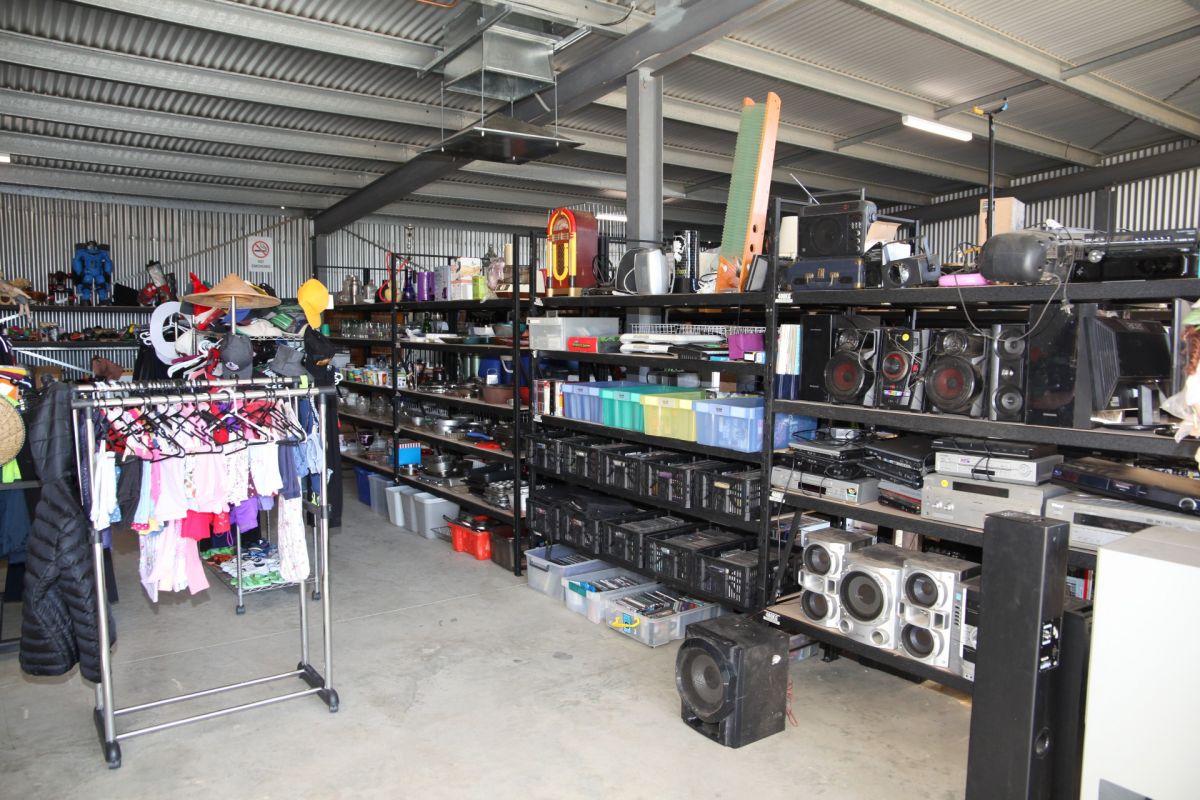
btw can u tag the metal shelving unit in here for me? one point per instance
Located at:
(1109, 291)
(469, 349)
(632, 361)
(656, 441)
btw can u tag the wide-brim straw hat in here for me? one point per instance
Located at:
(12, 431)
(232, 288)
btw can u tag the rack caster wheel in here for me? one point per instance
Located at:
(332, 701)
(240, 610)
(112, 754)
(316, 594)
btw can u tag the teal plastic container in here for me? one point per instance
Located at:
(622, 408)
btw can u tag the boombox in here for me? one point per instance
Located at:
(956, 380)
(834, 229)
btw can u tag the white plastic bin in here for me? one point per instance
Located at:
(582, 596)
(407, 493)
(395, 505)
(546, 576)
(654, 631)
(430, 510)
(379, 485)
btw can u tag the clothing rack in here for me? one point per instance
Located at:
(135, 394)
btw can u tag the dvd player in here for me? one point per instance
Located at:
(910, 452)
(992, 447)
(1124, 482)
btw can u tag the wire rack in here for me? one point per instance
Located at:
(691, 329)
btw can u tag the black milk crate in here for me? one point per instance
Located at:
(733, 577)
(600, 455)
(573, 454)
(582, 517)
(624, 470)
(543, 449)
(626, 540)
(676, 558)
(676, 482)
(738, 494)
(544, 516)
(651, 473)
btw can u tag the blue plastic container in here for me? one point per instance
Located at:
(582, 400)
(362, 477)
(735, 423)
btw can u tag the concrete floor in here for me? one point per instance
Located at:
(456, 681)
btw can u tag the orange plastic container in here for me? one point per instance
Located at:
(479, 544)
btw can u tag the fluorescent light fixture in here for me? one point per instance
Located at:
(5, 158)
(929, 126)
(612, 216)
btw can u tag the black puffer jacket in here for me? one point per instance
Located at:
(59, 623)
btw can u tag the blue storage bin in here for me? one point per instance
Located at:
(362, 477)
(581, 400)
(788, 424)
(735, 423)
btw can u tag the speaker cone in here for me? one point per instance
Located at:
(814, 605)
(921, 590)
(817, 560)
(827, 237)
(1010, 345)
(1010, 401)
(895, 365)
(703, 683)
(952, 384)
(917, 642)
(845, 377)
(862, 596)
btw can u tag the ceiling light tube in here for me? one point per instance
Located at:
(929, 126)
(611, 216)
(5, 158)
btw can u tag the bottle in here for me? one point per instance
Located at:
(409, 294)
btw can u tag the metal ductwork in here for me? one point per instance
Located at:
(491, 51)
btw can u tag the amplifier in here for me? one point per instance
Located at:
(1097, 521)
(964, 501)
(1029, 471)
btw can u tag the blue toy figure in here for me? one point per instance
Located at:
(93, 269)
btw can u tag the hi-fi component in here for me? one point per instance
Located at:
(1130, 483)
(855, 491)
(1097, 521)
(850, 373)
(822, 563)
(966, 622)
(967, 502)
(898, 381)
(930, 591)
(1006, 373)
(992, 447)
(1027, 471)
(835, 229)
(869, 595)
(957, 376)
(897, 495)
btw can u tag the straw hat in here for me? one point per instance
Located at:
(232, 288)
(12, 431)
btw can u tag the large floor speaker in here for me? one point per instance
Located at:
(732, 677)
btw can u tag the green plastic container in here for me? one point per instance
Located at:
(622, 408)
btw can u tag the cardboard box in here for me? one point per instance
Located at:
(1010, 216)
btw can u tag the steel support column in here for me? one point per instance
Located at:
(644, 157)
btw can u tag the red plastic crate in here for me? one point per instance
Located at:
(460, 535)
(479, 544)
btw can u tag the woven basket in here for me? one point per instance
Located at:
(12, 432)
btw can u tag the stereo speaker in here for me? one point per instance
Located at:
(956, 380)
(870, 595)
(1013, 741)
(820, 335)
(931, 605)
(732, 677)
(899, 377)
(835, 229)
(1006, 373)
(1058, 377)
(850, 373)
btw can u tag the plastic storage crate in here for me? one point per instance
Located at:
(543, 512)
(675, 558)
(733, 577)
(585, 593)
(599, 454)
(624, 471)
(543, 449)
(656, 616)
(626, 539)
(622, 408)
(669, 415)
(573, 454)
(545, 574)
(582, 400)
(738, 494)
(580, 519)
(654, 476)
(735, 423)
(675, 483)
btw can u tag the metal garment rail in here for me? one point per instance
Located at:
(318, 683)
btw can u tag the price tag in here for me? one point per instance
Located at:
(776, 496)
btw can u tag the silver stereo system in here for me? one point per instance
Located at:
(966, 623)
(1030, 472)
(1097, 521)
(964, 501)
(869, 595)
(928, 607)
(822, 564)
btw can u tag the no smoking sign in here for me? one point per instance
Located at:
(261, 254)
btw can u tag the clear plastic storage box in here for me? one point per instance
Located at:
(669, 415)
(586, 593)
(622, 408)
(545, 575)
(582, 400)
(735, 423)
(624, 617)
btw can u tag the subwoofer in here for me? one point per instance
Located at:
(850, 373)
(956, 381)
(1006, 373)
(898, 377)
(732, 677)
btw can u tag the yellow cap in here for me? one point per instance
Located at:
(313, 297)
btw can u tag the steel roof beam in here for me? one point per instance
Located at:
(730, 52)
(1132, 52)
(279, 28)
(959, 30)
(667, 38)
